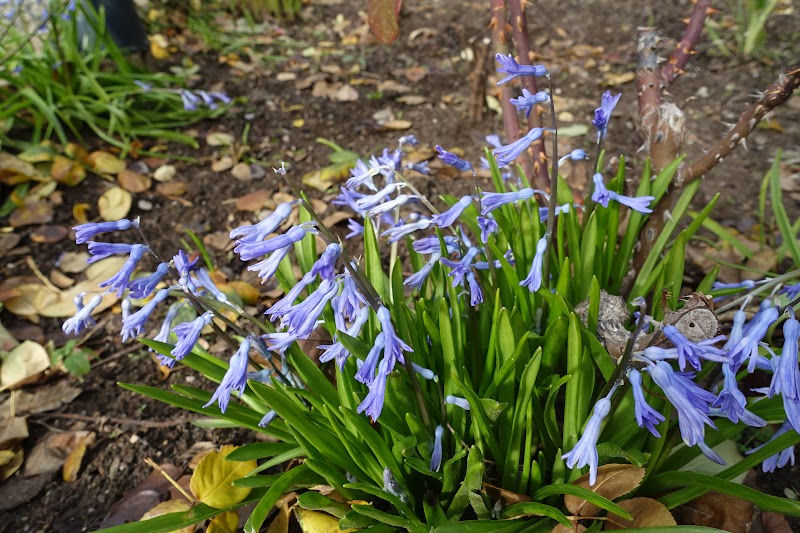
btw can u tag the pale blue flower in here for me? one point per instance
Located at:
(430, 245)
(282, 306)
(166, 326)
(417, 279)
(120, 280)
(361, 174)
(475, 293)
(267, 419)
(506, 154)
(394, 344)
(460, 268)
(205, 281)
(780, 459)
(446, 219)
(454, 161)
(257, 232)
(534, 279)
(84, 232)
(732, 403)
(487, 226)
(82, 318)
(457, 401)
(133, 325)
(368, 202)
(248, 250)
(337, 350)
(786, 377)
(235, 377)
(326, 264)
(350, 300)
(425, 373)
(366, 373)
(373, 402)
(602, 195)
(492, 200)
(143, 287)
(755, 330)
(398, 232)
(528, 100)
(646, 416)
(355, 228)
(603, 113)
(544, 212)
(436, 455)
(387, 206)
(585, 450)
(575, 155)
(187, 334)
(694, 351)
(101, 250)
(512, 69)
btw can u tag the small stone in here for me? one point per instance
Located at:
(144, 205)
(257, 171)
(703, 92)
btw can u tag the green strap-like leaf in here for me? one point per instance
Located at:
(580, 492)
(263, 508)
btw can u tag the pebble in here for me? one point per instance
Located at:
(144, 205)
(703, 92)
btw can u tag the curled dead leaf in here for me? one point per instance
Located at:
(613, 481)
(114, 204)
(67, 171)
(646, 512)
(31, 213)
(72, 465)
(23, 364)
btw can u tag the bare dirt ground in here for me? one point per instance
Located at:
(588, 45)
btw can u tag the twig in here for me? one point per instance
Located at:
(122, 421)
(172, 482)
(117, 355)
(38, 273)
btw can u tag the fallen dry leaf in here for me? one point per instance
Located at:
(222, 164)
(51, 452)
(60, 280)
(613, 481)
(9, 467)
(132, 181)
(167, 507)
(646, 512)
(415, 74)
(396, 124)
(73, 262)
(612, 80)
(31, 213)
(411, 99)
(114, 204)
(173, 188)
(49, 234)
(106, 163)
(164, 173)
(346, 93)
(72, 464)
(67, 171)
(79, 212)
(141, 499)
(13, 431)
(721, 511)
(23, 364)
(242, 172)
(41, 400)
(253, 201)
(249, 294)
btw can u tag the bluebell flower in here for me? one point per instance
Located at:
(512, 69)
(690, 401)
(373, 402)
(302, 318)
(262, 376)
(355, 228)
(692, 351)
(361, 174)
(737, 329)
(270, 223)
(282, 306)
(746, 284)
(267, 419)
(184, 268)
(82, 318)
(408, 139)
(235, 377)
(544, 212)
(421, 167)
(528, 100)
(506, 154)
(120, 280)
(575, 155)
(145, 87)
(494, 140)
(487, 226)
(786, 377)
(460, 268)
(187, 334)
(398, 232)
(391, 486)
(224, 98)
(791, 291)
(780, 459)
(446, 219)
(143, 287)
(166, 326)
(436, 454)
(534, 279)
(337, 350)
(646, 416)
(366, 373)
(84, 232)
(266, 268)
(390, 162)
(205, 281)
(102, 250)
(349, 198)
(603, 113)
(754, 332)
(425, 373)
(457, 401)
(430, 245)
(190, 100)
(368, 202)
(248, 250)
(385, 207)
(732, 403)
(350, 300)
(417, 279)
(602, 195)
(394, 344)
(585, 450)
(475, 293)
(280, 341)
(492, 200)
(326, 264)
(133, 325)
(454, 161)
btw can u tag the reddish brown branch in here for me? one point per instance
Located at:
(519, 29)
(776, 94)
(685, 48)
(500, 43)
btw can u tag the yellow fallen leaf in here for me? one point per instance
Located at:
(167, 507)
(79, 213)
(226, 522)
(23, 363)
(211, 482)
(13, 464)
(158, 46)
(72, 464)
(316, 522)
(114, 204)
(106, 163)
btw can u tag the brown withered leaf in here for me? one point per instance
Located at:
(646, 512)
(10, 465)
(775, 523)
(23, 364)
(415, 74)
(253, 201)
(132, 181)
(173, 188)
(41, 400)
(50, 453)
(560, 528)
(249, 294)
(74, 262)
(49, 234)
(506, 496)
(60, 280)
(396, 124)
(67, 171)
(717, 510)
(612, 481)
(144, 497)
(12, 431)
(72, 464)
(31, 213)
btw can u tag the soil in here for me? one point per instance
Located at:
(434, 35)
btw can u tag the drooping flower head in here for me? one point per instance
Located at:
(602, 195)
(454, 161)
(646, 416)
(235, 377)
(82, 318)
(585, 450)
(84, 232)
(528, 100)
(534, 279)
(512, 69)
(506, 154)
(603, 113)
